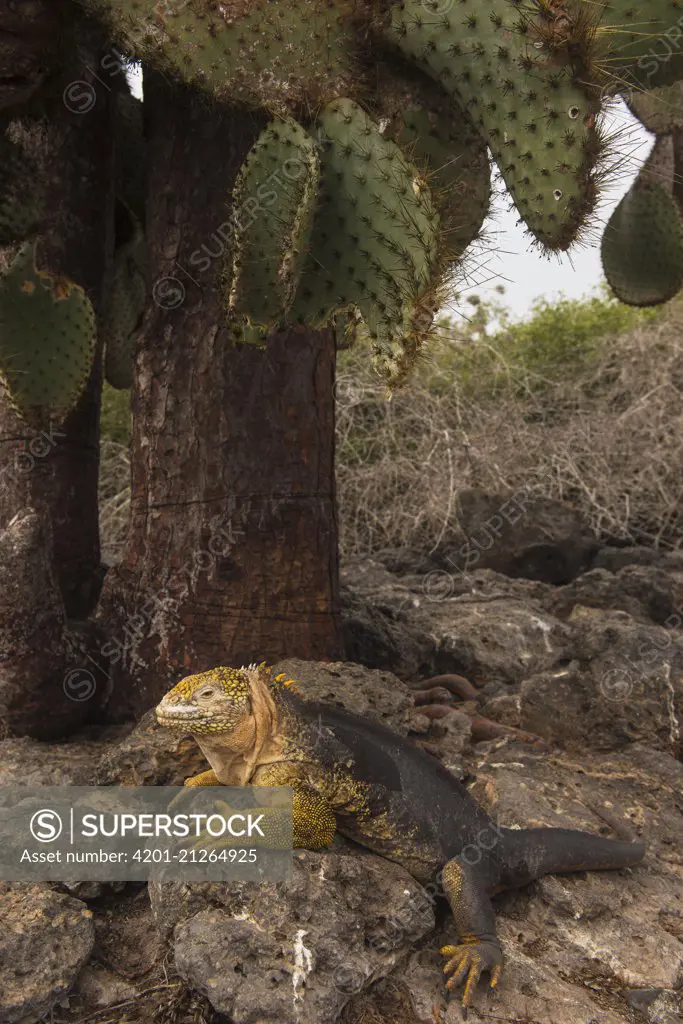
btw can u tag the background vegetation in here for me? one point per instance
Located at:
(581, 401)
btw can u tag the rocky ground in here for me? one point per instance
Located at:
(576, 698)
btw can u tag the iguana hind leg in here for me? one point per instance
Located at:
(479, 949)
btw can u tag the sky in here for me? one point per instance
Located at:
(507, 257)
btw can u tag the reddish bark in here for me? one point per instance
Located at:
(232, 553)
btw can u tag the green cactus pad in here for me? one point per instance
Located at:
(123, 305)
(436, 134)
(660, 110)
(536, 116)
(276, 54)
(638, 42)
(458, 170)
(273, 204)
(47, 340)
(375, 238)
(22, 194)
(642, 247)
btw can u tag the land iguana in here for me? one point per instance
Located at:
(381, 790)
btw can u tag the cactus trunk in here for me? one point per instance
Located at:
(232, 551)
(56, 467)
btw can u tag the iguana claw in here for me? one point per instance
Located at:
(469, 960)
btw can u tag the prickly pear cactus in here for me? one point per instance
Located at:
(346, 327)
(436, 134)
(659, 110)
(375, 238)
(241, 332)
(274, 54)
(47, 340)
(123, 304)
(273, 204)
(642, 247)
(635, 42)
(530, 75)
(535, 113)
(22, 194)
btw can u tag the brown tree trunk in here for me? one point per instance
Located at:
(50, 559)
(232, 553)
(57, 470)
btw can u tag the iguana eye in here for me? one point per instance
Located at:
(208, 691)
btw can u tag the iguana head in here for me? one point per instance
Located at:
(217, 701)
(233, 714)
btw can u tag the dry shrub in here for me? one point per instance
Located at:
(607, 440)
(114, 499)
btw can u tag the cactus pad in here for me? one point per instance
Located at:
(660, 110)
(262, 53)
(638, 42)
(642, 247)
(436, 134)
(273, 204)
(375, 237)
(534, 113)
(47, 340)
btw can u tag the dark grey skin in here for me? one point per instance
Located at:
(440, 831)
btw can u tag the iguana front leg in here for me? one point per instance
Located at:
(313, 821)
(313, 825)
(479, 949)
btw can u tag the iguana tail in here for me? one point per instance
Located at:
(544, 851)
